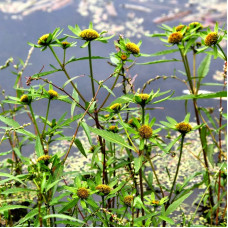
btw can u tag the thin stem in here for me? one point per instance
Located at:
(34, 120)
(143, 114)
(46, 118)
(194, 69)
(224, 54)
(103, 205)
(128, 135)
(155, 174)
(178, 166)
(124, 214)
(64, 70)
(91, 69)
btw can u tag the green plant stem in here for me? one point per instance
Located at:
(91, 69)
(155, 174)
(176, 174)
(224, 54)
(143, 114)
(124, 214)
(114, 84)
(46, 118)
(128, 136)
(35, 123)
(103, 205)
(102, 144)
(188, 73)
(53, 211)
(67, 75)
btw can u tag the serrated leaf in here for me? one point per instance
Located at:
(111, 137)
(69, 205)
(167, 219)
(12, 207)
(159, 61)
(87, 131)
(138, 163)
(80, 147)
(176, 204)
(11, 177)
(38, 147)
(201, 96)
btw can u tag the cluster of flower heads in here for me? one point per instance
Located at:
(181, 30)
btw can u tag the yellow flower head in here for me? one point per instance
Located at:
(113, 128)
(131, 122)
(179, 27)
(123, 57)
(52, 93)
(83, 193)
(128, 200)
(116, 107)
(175, 38)
(145, 131)
(196, 24)
(183, 127)
(89, 34)
(211, 39)
(44, 158)
(133, 48)
(103, 188)
(65, 44)
(43, 39)
(24, 98)
(156, 202)
(143, 96)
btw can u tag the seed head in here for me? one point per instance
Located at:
(211, 39)
(43, 39)
(103, 188)
(175, 38)
(116, 107)
(133, 48)
(128, 200)
(114, 128)
(183, 127)
(145, 131)
(52, 94)
(123, 57)
(44, 158)
(83, 193)
(89, 34)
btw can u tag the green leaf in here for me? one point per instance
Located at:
(38, 147)
(210, 153)
(109, 90)
(167, 219)
(87, 131)
(28, 216)
(203, 68)
(111, 137)
(45, 73)
(61, 216)
(11, 177)
(165, 52)
(69, 205)
(80, 147)
(84, 58)
(138, 163)
(68, 81)
(159, 61)
(176, 204)
(11, 207)
(15, 190)
(201, 96)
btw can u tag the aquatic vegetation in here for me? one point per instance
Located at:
(120, 166)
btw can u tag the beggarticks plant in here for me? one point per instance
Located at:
(119, 182)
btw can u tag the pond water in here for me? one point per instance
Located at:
(26, 20)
